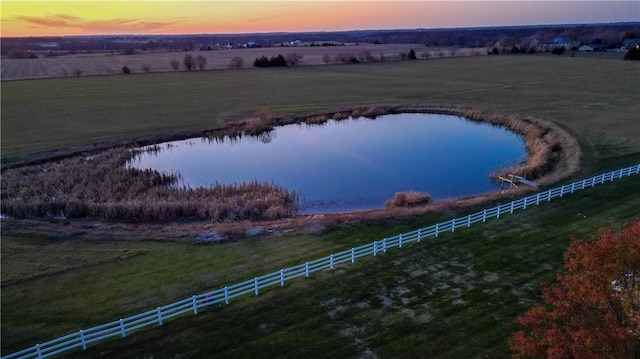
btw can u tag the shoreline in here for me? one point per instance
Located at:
(552, 156)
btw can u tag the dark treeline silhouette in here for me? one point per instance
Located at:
(607, 35)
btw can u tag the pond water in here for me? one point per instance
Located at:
(354, 164)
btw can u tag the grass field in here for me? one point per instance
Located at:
(109, 64)
(453, 297)
(596, 100)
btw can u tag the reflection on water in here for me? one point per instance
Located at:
(352, 164)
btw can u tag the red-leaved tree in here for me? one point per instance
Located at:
(594, 309)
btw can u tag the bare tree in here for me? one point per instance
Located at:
(175, 65)
(326, 58)
(201, 62)
(146, 68)
(365, 56)
(294, 58)
(187, 62)
(237, 62)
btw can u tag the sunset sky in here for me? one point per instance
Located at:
(42, 18)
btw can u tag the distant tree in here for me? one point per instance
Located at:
(294, 58)
(200, 62)
(633, 54)
(453, 51)
(188, 62)
(515, 49)
(326, 58)
(494, 51)
(558, 50)
(77, 72)
(365, 56)
(278, 61)
(175, 64)
(402, 55)
(411, 55)
(126, 70)
(190, 46)
(146, 68)
(237, 62)
(594, 309)
(262, 61)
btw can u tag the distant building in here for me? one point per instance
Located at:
(591, 48)
(627, 44)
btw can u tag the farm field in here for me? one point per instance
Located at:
(109, 64)
(466, 287)
(594, 99)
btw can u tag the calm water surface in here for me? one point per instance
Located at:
(354, 164)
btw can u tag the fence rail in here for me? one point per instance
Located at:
(123, 327)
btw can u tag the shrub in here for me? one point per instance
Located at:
(237, 62)
(146, 68)
(294, 58)
(175, 64)
(200, 62)
(408, 199)
(633, 54)
(558, 50)
(278, 61)
(126, 70)
(326, 58)
(188, 62)
(411, 55)
(77, 72)
(261, 62)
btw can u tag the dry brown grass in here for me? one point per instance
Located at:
(408, 199)
(100, 186)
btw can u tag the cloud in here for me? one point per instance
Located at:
(75, 22)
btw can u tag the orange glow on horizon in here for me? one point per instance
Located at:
(55, 18)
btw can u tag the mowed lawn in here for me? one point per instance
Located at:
(451, 297)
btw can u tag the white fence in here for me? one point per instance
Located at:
(124, 327)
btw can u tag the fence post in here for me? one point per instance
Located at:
(353, 256)
(38, 351)
(511, 210)
(561, 190)
(584, 182)
(384, 245)
(123, 332)
(159, 310)
(453, 225)
(195, 305)
(400, 241)
(498, 212)
(282, 277)
(484, 215)
(437, 229)
(468, 221)
(419, 235)
(549, 196)
(84, 342)
(306, 269)
(525, 203)
(573, 185)
(255, 285)
(375, 248)
(538, 198)
(226, 295)
(331, 260)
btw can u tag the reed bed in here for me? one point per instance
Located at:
(408, 199)
(101, 186)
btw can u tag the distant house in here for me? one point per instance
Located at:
(591, 48)
(251, 44)
(627, 44)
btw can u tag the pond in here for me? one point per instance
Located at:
(354, 164)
